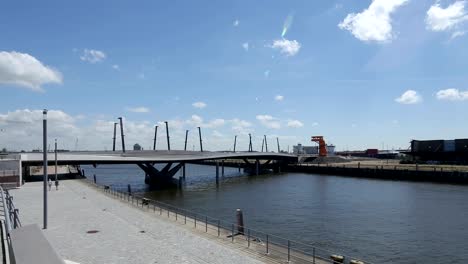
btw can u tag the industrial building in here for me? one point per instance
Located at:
(312, 150)
(444, 151)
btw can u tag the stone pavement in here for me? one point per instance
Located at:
(126, 234)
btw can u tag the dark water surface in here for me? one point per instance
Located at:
(378, 221)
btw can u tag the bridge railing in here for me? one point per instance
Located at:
(276, 248)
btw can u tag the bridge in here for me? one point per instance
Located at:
(253, 162)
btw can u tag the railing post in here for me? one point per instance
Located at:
(175, 215)
(218, 227)
(289, 250)
(267, 244)
(185, 218)
(313, 255)
(232, 234)
(206, 224)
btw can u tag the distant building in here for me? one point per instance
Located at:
(445, 151)
(137, 147)
(312, 150)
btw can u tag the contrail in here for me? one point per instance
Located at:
(287, 24)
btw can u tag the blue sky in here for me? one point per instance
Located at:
(360, 73)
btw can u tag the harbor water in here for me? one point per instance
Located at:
(376, 220)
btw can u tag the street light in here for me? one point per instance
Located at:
(44, 151)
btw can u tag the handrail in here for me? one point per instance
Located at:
(273, 242)
(6, 211)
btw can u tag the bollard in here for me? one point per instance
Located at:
(240, 221)
(337, 259)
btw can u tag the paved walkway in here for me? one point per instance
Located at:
(77, 208)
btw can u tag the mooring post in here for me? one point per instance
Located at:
(167, 135)
(114, 138)
(240, 221)
(122, 133)
(186, 137)
(201, 142)
(277, 143)
(235, 142)
(44, 151)
(155, 137)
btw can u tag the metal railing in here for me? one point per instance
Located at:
(276, 248)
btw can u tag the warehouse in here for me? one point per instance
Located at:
(444, 151)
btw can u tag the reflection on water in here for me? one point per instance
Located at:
(380, 221)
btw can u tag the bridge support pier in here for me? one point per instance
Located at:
(160, 178)
(258, 168)
(217, 173)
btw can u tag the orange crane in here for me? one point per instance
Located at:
(322, 145)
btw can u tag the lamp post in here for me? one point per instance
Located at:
(122, 133)
(44, 151)
(167, 135)
(201, 141)
(155, 137)
(56, 178)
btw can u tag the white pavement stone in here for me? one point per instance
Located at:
(77, 208)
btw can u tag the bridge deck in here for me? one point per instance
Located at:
(109, 157)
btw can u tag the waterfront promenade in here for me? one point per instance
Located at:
(125, 234)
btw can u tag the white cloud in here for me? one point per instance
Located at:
(22, 69)
(457, 34)
(241, 127)
(374, 23)
(269, 121)
(199, 105)
(235, 23)
(287, 47)
(245, 46)
(295, 123)
(92, 56)
(266, 73)
(279, 98)
(140, 109)
(115, 67)
(409, 97)
(452, 95)
(441, 19)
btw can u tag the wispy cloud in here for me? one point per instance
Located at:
(374, 23)
(235, 23)
(295, 124)
(199, 105)
(245, 46)
(409, 97)
(22, 69)
(269, 121)
(279, 98)
(92, 56)
(452, 95)
(140, 109)
(286, 47)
